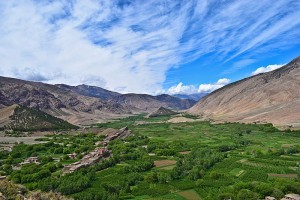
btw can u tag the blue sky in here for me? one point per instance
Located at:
(154, 46)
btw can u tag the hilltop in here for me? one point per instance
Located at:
(162, 112)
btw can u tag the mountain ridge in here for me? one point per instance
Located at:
(81, 104)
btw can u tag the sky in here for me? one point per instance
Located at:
(153, 46)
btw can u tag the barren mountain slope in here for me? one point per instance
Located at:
(270, 97)
(91, 91)
(5, 114)
(56, 101)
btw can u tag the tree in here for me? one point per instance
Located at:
(247, 194)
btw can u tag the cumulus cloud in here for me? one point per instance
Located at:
(266, 69)
(130, 46)
(214, 86)
(182, 89)
(192, 89)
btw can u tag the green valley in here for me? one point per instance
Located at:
(162, 160)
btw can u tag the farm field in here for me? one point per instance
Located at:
(161, 160)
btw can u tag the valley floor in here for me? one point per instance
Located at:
(163, 160)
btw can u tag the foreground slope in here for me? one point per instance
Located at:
(270, 97)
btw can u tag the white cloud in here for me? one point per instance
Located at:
(182, 89)
(266, 69)
(192, 89)
(131, 47)
(214, 86)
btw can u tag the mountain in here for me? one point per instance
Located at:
(18, 117)
(195, 96)
(82, 104)
(149, 103)
(269, 97)
(90, 91)
(162, 112)
(59, 102)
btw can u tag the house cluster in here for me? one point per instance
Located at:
(286, 197)
(7, 148)
(29, 160)
(98, 154)
(89, 159)
(72, 155)
(120, 134)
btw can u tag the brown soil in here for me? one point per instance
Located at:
(161, 163)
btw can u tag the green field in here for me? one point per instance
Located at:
(226, 160)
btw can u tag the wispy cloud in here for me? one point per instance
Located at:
(266, 69)
(192, 89)
(128, 45)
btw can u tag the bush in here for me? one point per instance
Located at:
(247, 194)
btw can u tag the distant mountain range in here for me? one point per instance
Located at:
(149, 103)
(195, 97)
(269, 97)
(90, 91)
(82, 104)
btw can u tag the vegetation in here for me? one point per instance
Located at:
(209, 161)
(28, 119)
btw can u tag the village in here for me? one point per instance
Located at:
(98, 153)
(91, 158)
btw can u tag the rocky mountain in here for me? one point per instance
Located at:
(269, 97)
(195, 97)
(162, 112)
(17, 117)
(60, 102)
(90, 91)
(82, 104)
(149, 103)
